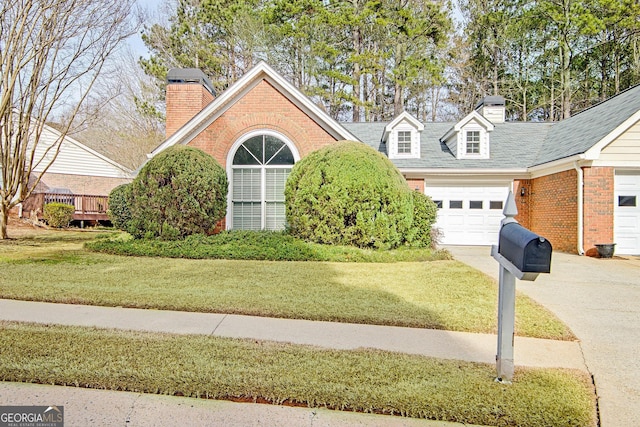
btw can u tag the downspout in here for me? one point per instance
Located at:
(580, 208)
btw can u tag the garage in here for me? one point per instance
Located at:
(627, 213)
(469, 215)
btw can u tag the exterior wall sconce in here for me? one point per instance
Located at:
(523, 191)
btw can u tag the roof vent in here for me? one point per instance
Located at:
(190, 75)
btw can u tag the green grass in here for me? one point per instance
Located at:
(438, 295)
(362, 380)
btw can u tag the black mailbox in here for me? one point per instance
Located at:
(527, 251)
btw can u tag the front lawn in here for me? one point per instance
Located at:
(248, 370)
(54, 267)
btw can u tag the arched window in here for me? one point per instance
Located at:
(259, 170)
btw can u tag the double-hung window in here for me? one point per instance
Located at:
(404, 142)
(473, 142)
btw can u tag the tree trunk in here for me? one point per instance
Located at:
(398, 102)
(565, 79)
(356, 76)
(4, 220)
(565, 64)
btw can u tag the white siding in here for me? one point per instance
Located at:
(625, 148)
(75, 159)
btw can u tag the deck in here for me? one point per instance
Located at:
(88, 207)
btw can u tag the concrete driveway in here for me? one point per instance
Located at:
(599, 299)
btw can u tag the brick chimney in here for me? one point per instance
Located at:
(492, 108)
(188, 92)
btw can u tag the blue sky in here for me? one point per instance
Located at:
(152, 7)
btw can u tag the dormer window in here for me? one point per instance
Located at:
(469, 138)
(473, 142)
(404, 142)
(402, 137)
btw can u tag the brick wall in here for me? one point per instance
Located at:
(183, 101)
(523, 202)
(263, 107)
(416, 184)
(598, 207)
(553, 209)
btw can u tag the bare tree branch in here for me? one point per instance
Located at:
(51, 54)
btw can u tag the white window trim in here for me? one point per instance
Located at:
(462, 142)
(404, 122)
(231, 154)
(393, 142)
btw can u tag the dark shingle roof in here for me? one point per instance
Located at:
(514, 144)
(579, 133)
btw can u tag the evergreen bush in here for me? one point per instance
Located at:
(349, 194)
(119, 206)
(179, 192)
(58, 215)
(425, 212)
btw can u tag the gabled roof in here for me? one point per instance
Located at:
(517, 145)
(472, 116)
(594, 126)
(514, 145)
(236, 91)
(402, 117)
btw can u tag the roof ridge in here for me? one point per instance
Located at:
(622, 92)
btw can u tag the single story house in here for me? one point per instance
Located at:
(79, 175)
(577, 182)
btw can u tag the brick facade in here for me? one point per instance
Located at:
(184, 100)
(522, 201)
(598, 207)
(261, 108)
(553, 209)
(416, 184)
(550, 208)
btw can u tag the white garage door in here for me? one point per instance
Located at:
(627, 213)
(469, 215)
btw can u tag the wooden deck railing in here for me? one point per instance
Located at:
(88, 207)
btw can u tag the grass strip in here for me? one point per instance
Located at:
(361, 380)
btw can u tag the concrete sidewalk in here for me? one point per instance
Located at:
(471, 347)
(103, 408)
(85, 407)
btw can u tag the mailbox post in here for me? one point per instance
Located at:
(521, 254)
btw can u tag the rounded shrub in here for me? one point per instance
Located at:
(425, 212)
(58, 215)
(119, 211)
(348, 194)
(179, 192)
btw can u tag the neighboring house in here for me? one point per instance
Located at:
(577, 182)
(76, 171)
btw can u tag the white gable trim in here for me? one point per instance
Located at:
(402, 117)
(236, 91)
(474, 115)
(594, 152)
(404, 122)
